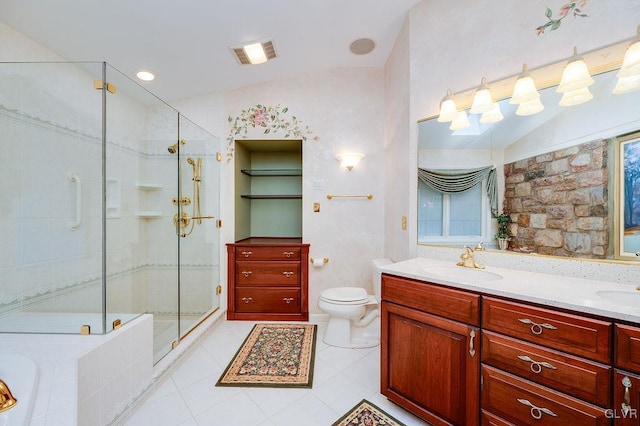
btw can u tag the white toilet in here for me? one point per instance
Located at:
(354, 315)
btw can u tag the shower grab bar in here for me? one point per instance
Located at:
(76, 223)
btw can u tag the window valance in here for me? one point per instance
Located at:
(455, 181)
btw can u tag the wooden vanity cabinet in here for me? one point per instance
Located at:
(268, 280)
(626, 378)
(430, 360)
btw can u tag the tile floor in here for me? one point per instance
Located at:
(189, 397)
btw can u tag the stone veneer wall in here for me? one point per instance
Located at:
(558, 202)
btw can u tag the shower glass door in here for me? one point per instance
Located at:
(199, 240)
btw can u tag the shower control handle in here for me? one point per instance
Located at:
(246, 253)
(246, 273)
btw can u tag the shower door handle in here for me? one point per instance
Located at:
(78, 206)
(202, 217)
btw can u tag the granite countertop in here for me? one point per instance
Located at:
(602, 298)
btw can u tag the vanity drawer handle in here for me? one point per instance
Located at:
(246, 253)
(536, 328)
(472, 350)
(246, 273)
(536, 366)
(537, 412)
(288, 253)
(287, 274)
(247, 299)
(287, 300)
(626, 405)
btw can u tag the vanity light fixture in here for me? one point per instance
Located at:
(629, 74)
(575, 81)
(493, 115)
(525, 88)
(145, 75)
(529, 108)
(448, 109)
(460, 122)
(349, 159)
(482, 101)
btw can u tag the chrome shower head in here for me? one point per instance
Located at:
(174, 148)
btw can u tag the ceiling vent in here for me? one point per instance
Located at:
(242, 57)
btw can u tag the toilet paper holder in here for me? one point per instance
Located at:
(324, 260)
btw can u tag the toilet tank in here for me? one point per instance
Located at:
(376, 275)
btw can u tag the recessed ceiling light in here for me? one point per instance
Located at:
(254, 53)
(145, 75)
(362, 46)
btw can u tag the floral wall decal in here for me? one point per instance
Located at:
(554, 24)
(272, 118)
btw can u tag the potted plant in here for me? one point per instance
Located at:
(503, 235)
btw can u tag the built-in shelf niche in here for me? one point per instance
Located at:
(148, 200)
(268, 187)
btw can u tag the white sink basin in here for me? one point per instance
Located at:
(627, 298)
(462, 273)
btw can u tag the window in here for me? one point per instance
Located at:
(455, 218)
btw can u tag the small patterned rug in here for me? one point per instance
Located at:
(274, 355)
(367, 414)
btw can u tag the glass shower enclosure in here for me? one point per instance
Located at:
(109, 206)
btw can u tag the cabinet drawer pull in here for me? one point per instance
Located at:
(536, 412)
(246, 253)
(287, 274)
(536, 366)
(626, 405)
(288, 253)
(472, 335)
(535, 327)
(246, 273)
(287, 300)
(247, 299)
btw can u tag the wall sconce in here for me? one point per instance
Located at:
(629, 74)
(448, 109)
(575, 81)
(482, 101)
(349, 159)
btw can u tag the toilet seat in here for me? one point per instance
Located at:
(345, 295)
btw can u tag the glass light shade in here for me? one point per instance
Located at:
(482, 101)
(525, 88)
(255, 53)
(460, 122)
(493, 115)
(448, 109)
(576, 97)
(631, 62)
(529, 108)
(349, 159)
(575, 75)
(627, 84)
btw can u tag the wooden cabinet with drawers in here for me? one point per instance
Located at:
(541, 366)
(268, 279)
(626, 377)
(430, 357)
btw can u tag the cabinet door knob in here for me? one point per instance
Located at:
(472, 350)
(537, 412)
(246, 253)
(536, 366)
(535, 327)
(246, 273)
(287, 274)
(288, 253)
(247, 299)
(626, 405)
(287, 300)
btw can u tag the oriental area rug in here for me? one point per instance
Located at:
(274, 355)
(367, 414)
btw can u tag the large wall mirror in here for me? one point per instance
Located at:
(561, 176)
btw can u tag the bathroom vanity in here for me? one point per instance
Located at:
(501, 347)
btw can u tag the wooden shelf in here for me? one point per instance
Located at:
(272, 197)
(150, 214)
(272, 172)
(143, 186)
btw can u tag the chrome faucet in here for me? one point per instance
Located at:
(7, 400)
(467, 259)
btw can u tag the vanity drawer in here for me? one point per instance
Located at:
(434, 299)
(268, 273)
(579, 377)
(570, 333)
(627, 354)
(526, 403)
(488, 419)
(273, 300)
(267, 253)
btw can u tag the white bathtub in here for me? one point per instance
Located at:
(21, 376)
